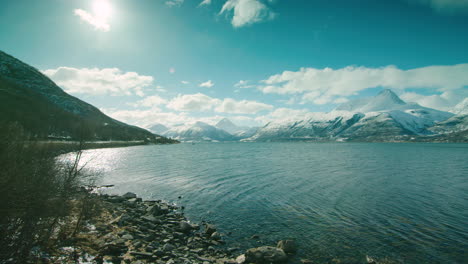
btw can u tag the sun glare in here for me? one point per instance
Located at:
(102, 9)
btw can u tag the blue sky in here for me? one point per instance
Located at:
(175, 61)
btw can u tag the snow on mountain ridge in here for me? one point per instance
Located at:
(382, 115)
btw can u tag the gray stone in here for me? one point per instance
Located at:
(158, 210)
(168, 247)
(210, 229)
(127, 237)
(129, 195)
(288, 246)
(216, 236)
(240, 259)
(185, 227)
(265, 255)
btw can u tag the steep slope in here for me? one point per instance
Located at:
(199, 132)
(226, 125)
(158, 128)
(43, 109)
(384, 117)
(461, 108)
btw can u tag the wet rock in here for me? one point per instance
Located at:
(158, 210)
(306, 261)
(216, 236)
(370, 260)
(255, 237)
(115, 199)
(209, 229)
(288, 246)
(129, 195)
(185, 227)
(265, 255)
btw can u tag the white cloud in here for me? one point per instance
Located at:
(247, 12)
(150, 101)
(242, 107)
(207, 84)
(202, 103)
(94, 81)
(445, 6)
(184, 82)
(193, 102)
(172, 70)
(99, 23)
(205, 2)
(322, 86)
(174, 3)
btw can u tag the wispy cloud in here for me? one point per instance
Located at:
(207, 84)
(95, 81)
(172, 70)
(205, 2)
(445, 6)
(184, 82)
(322, 86)
(99, 23)
(244, 84)
(247, 12)
(174, 3)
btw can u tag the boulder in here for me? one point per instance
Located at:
(157, 210)
(129, 195)
(209, 229)
(288, 246)
(185, 227)
(265, 255)
(216, 236)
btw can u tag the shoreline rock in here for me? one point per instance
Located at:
(132, 231)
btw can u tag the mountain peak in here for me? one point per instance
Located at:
(225, 121)
(384, 100)
(388, 94)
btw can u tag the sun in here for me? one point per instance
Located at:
(102, 9)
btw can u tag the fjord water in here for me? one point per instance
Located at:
(339, 201)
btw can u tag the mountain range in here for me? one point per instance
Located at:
(382, 118)
(44, 110)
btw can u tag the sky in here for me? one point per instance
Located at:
(178, 61)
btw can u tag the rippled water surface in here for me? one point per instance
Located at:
(404, 202)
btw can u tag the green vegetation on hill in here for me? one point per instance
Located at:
(37, 104)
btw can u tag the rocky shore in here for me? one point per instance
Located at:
(130, 230)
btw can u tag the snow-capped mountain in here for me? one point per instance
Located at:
(227, 125)
(379, 118)
(233, 129)
(199, 131)
(461, 108)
